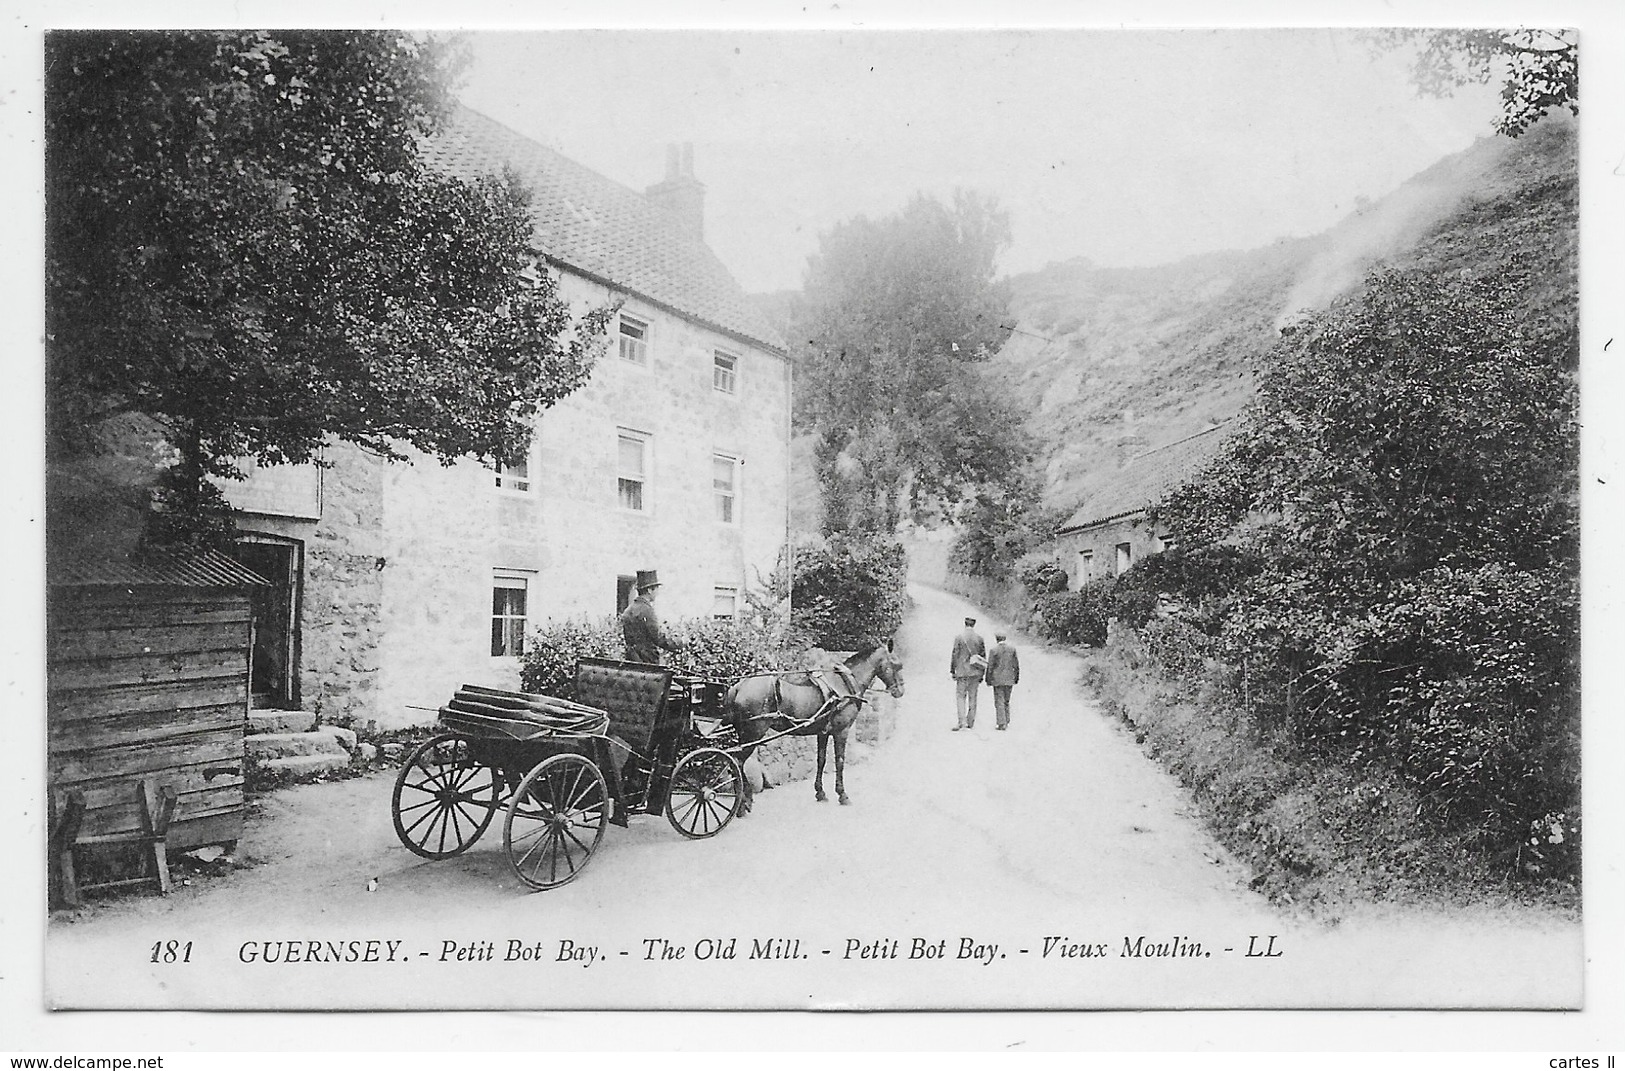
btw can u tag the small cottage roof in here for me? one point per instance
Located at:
(203, 569)
(607, 232)
(1148, 478)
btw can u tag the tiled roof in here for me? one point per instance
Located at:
(1148, 478)
(604, 230)
(207, 569)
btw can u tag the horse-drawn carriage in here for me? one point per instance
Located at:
(639, 740)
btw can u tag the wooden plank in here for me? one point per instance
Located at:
(111, 792)
(124, 730)
(157, 808)
(124, 817)
(146, 669)
(146, 614)
(65, 822)
(219, 828)
(84, 644)
(220, 747)
(66, 707)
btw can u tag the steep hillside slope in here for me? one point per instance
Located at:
(1114, 361)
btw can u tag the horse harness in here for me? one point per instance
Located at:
(832, 701)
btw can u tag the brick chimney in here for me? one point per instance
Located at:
(681, 193)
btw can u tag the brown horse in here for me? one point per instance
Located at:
(792, 703)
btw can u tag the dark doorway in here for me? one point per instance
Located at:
(626, 587)
(274, 669)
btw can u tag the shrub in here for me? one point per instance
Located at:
(552, 650)
(849, 587)
(1042, 577)
(720, 649)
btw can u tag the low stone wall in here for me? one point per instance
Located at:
(795, 758)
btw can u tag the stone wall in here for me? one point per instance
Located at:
(795, 758)
(341, 624)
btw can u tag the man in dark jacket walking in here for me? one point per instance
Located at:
(1003, 673)
(969, 659)
(640, 625)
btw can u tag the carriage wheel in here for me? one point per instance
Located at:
(444, 798)
(707, 789)
(556, 820)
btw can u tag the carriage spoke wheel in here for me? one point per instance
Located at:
(555, 821)
(444, 799)
(707, 789)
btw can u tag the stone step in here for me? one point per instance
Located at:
(308, 765)
(280, 721)
(286, 745)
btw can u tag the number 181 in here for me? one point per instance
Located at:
(171, 952)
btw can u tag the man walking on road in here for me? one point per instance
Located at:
(969, 660)
(1003, 673)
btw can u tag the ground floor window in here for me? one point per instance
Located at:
(509, 608)
(1086, 566)
(724, 603)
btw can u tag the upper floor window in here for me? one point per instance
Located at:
(631, 469)
(514, 477)
(1086, 565)
(530, 277)
(1125, 557)
(509, 596)
(725, 372)
(634, 340)
(725, 485)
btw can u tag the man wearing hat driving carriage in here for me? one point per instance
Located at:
(640, 625)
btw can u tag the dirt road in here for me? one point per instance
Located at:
(1052, 865)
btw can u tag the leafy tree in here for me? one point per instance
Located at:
(1000, 525)
(897, 313)
(244, 242)
(1540, 68)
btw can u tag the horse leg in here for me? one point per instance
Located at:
(749, 796)
(840, 767)
(818, 778)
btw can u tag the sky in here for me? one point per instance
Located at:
(1125, 147)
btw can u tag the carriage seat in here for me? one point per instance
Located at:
(632, 693)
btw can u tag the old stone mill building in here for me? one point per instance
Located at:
(390, 584)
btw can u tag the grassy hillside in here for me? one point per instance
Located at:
(1114, 361)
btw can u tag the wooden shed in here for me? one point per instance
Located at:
(147, 693)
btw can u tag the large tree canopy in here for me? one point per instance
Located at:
(243, 241)
(899, 314)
